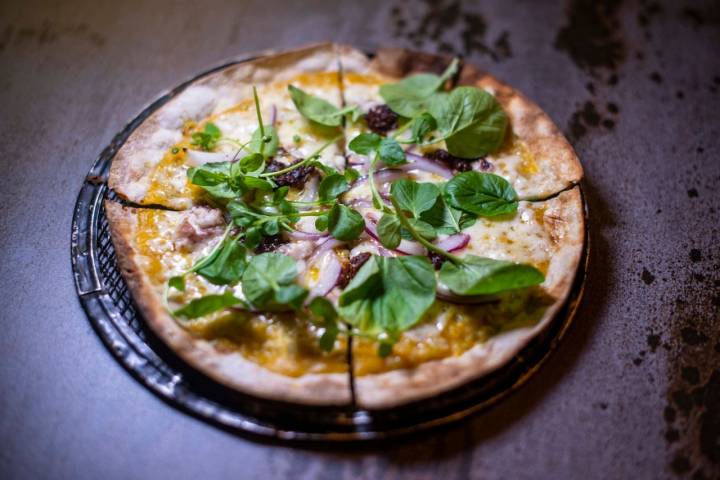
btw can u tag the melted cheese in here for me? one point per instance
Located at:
(284, 343)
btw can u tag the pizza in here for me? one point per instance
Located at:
(324, 228)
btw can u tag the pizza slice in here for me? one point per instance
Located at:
(184, 270)
(460, 338)
(515, 139)
(246, 109)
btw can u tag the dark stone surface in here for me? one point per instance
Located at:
(631, 393)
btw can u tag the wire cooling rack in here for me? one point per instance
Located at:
(110, 309)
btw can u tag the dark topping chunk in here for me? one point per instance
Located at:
(436, 259)
(381, 119)
(351, 268)
(485, 165)
(444, 157)
(270, 244)
(295, 178)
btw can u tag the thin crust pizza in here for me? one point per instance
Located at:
(405, 222)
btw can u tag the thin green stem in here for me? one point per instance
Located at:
(430, 246)
(309, 159)
(260, 121)
(377, 199)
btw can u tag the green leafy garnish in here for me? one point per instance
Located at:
(265, 142)
(344, 223)
(226, 264)
(319, 110)
(409, 97)
(414, 197)
(268, 283)
(422, 125)
(388, 229)
(332, 186)
(206, 305)
(322, 308)
(447, 220)
(484, 194)
(388, 295)
(207, 138)
(177, 282)
(485, 276)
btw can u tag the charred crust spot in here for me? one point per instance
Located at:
(351, 268)
(381, 119)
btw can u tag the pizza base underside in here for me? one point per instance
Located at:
(374, 388)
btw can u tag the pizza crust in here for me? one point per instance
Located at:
(132, 167)
(228, 368)
(398, 387)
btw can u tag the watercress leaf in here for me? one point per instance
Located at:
(414, 197)
(177, 282)
(252, 163)
(264, 184)
(365, 143)
(425, 230)
(315, 108)
(388, 295)
(485, 276)
(351, 174)
(241, 213)
(447, 220)
(421, 126)
(206, 305)
(332, 186)
(271, 227)
(268, 282)
(322, 308)
(325, 169)
(292, 295)
(226, 264)
(321, 222)
(280, 193)
(215, 179)
(390, 152)
(388, 229)
(345, 223)
(286, 208)
(266, 145)
(484, 194)
(458, 109)
(207, 138)
(482, 137)
(253, 235)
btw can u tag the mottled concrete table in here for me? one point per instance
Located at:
(633, 391)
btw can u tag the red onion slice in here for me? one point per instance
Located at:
(381, 177)
(300, 235)
(455, 242)
(420, 162)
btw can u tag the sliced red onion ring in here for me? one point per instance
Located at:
(455, 242)
(299, 235)
(406, 247)
(330, 269)
(197, 158)
(420, 162)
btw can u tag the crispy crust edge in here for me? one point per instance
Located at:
(129, 173)
(227, 368)
(398, 387)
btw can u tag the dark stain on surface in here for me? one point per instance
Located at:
(587, 118)
(653, 341)
(656, 77)
(692, 193)
(48, 33)
(441, 22)
(692, 412)
(592, 36)
(647, 277)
